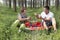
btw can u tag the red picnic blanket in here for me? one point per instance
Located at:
(34, 25)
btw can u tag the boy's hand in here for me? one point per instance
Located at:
(48, 18)
(36, 14)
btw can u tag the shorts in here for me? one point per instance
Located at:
(49, 23)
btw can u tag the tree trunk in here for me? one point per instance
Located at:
(40, 3)
(31, 3)
(35, 3)
(46, 2)
(43, 2)
(9, 3)
(57, 4)
(5, 2)
(49, 2)
(19, 3)
(14, 5)
(25, 4)
(22, 3)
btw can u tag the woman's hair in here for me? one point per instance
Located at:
(22, 10)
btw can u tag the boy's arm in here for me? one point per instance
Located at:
(39, 16)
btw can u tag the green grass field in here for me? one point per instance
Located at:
(8, 16)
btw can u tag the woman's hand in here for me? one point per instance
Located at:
(29, 18)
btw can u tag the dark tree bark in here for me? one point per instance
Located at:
(22, 3)
(43, 2)
(35, 3)
(57, 4)
(25, 4)
(31, 3)
(9, 3)
(40, 3)
(14, 5)
(46, 3)
(19, 3)
(49, 2)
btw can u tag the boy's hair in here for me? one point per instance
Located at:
(47, 7)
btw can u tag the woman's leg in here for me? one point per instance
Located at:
(22, 26)
(15, 24)
(13, 27)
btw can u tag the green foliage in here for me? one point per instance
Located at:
(9, 32)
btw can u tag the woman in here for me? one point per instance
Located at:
(22, 18)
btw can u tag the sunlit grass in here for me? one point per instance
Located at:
(8, 16)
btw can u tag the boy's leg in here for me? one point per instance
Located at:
(54, 23)
(45, 26)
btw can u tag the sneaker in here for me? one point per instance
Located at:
(47, 32)
(55, 31)
(19, 31)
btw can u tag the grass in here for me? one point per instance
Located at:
(8, 16)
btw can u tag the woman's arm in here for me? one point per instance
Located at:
(22, 19)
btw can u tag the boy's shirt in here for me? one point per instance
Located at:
(44, 15)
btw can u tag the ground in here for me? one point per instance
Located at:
(8, 16)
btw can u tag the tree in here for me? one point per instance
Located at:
(46, 2)
(49, 2)
(9, 3)
(19, 3)
(25, 4)
(43, 2)
(5, 2)
(40, 3)
(35, 3)
(31, 3)
(57, 4)
(22, 3)
(14, 5)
